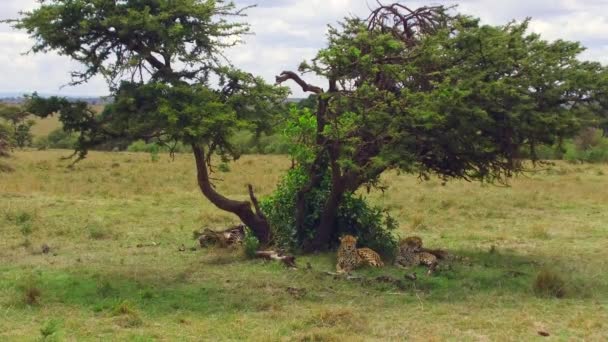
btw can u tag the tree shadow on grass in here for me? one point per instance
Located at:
(251, 286)
(492, 273)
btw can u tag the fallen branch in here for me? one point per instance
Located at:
(344, 275)
(152, 244)
(288, 260)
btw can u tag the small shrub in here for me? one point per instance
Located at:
(23, 221)
(50, 330)
(31, 295)
(128, 317)
(57, 139)
(147, 294)
(588, 138)
(23, 217)
(590, 146)
(97, 232)
(549, 284)
(539, 231)
(154, 157)
(223, 167)
(26, 229)
(125, 307)
(250, 244)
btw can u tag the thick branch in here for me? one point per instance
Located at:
(255, 202)
(290, 75)
(258, 224)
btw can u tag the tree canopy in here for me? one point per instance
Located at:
(427, 92)
(169, 80)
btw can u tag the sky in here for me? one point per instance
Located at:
(286, 32)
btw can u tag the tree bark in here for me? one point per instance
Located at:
(327, 225)
(255, 221)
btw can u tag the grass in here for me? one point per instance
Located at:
(43, 127)
(542, 238)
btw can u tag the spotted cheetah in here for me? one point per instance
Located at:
(351, 257)
(226, 238)
(412, 254)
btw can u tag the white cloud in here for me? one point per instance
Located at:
(289, 31)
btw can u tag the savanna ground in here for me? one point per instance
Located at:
(96, 284)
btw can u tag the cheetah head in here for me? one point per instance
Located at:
(348, 243)
(413, 243)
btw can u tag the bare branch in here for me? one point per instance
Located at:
(287, 259)
(255, 202)
(290, 75)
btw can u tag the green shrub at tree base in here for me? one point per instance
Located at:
(373, 226)
(251, 244)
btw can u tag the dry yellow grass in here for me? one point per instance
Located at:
(94, 215)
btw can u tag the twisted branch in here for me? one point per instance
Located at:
(290, 75)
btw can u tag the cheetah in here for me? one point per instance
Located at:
(227, 238)
(412, 254)
(351, 257)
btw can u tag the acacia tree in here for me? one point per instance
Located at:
(20, 123)
(166, 72)
(426, 92)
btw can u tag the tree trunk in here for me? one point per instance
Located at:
(327, 225)
(254, 220)
(315, 176)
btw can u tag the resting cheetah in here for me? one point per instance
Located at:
(226, 238)
(411, 254)
(351, 257)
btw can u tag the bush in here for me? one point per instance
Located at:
(371, 225)
(98, 232)
(250, 244)
(549, 284)
(62, 139)
(223, 167)
(588, 138)
(30, 288)
(593, 154)
(50, 330)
